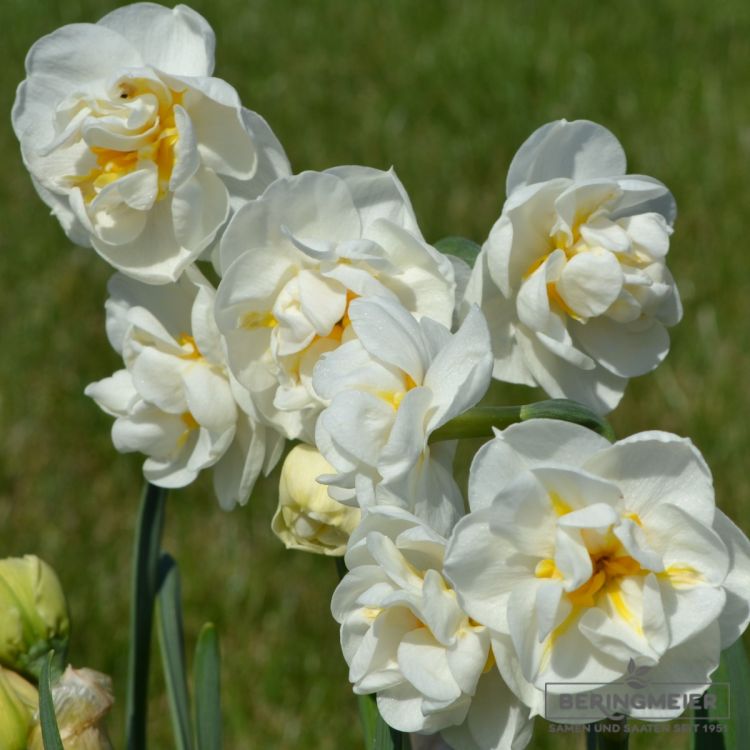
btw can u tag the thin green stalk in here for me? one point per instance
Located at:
(480, 421)
(145, 583)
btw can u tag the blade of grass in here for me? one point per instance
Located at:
(207, 678)
(172, 647)
(145, 580)
(47, 719)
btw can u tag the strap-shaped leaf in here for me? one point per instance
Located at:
(734, 703)
(172, 647)
(47, 720)
(207, 677)
(145, 581)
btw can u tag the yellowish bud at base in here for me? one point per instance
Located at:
(307, 518)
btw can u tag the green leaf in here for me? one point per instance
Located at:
(378, 735)
(145, 580)
(47, 720)
(735, 702)
(459, 247)
(172, 647)
(479, 421)
(207, 678)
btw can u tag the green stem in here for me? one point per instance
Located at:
(479, 421)
(610, 734)
(145, 585)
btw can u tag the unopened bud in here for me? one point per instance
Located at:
(33, 614)
(307, 518)
(18, 702)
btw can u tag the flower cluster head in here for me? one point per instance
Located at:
(137, 150)
(583, 558)
(294, 259)
(405, 636)
(176, 400)
(573, 276)
(389, 389)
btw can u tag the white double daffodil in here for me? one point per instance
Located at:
(583, 557)
(389, 389)
(405, 637)
(573, 278)
(132, 143)
(293, 260)
(175, 400)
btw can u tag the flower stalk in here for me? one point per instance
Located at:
(480, 421)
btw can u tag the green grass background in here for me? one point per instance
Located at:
(445, 91)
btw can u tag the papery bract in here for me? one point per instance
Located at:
(82, 699)
(573, 278)
(389, 389)
(294, 259)
(583, 558)
(175, 400)
(137, 150)
(405, 638)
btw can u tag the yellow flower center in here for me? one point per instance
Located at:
(112, 164)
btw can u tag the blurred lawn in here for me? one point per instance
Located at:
(445, 91)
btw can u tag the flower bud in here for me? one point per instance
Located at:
(18, 702)
(307, 518)
(82, 699)
(33, 614)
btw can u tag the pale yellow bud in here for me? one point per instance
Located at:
(307, 518)
(82, 700)
(33, 614)
(18, 702)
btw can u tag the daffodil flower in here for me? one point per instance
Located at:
(573, 278)
(405, 637)
(389, 389)
(584, 558)
(137, 150)
(175, 400)
(292, 262)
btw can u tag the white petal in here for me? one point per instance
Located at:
(115, 395)
(579, 150)
(425, 664)
(496, 719)
(391, 334)
(656, 468)
(624, 352)
(736, 614)
(176, 40)
(199, 207)
(81, 53)
(226, 145)
(377, 195)
(552, 441)
(590, 283)
(460, 374)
